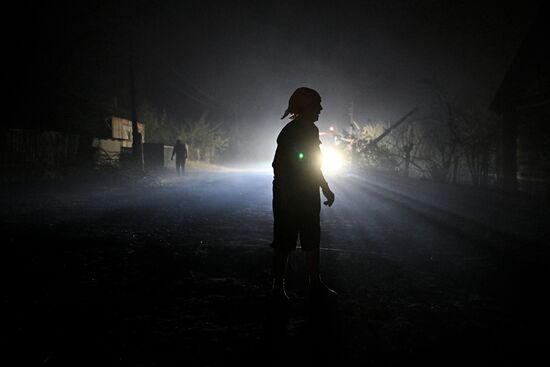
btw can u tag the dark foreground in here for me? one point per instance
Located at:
(177, 272)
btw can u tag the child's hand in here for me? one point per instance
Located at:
(329, 195)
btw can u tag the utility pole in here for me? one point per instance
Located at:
(350, 112)
(353, 125)
(389, 129)
(355, 132)
(137, 145)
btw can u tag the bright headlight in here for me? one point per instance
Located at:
(332, 160)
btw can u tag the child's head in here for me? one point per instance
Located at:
(304, 102)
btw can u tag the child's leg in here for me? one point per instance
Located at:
(280, 259)
(316, 285)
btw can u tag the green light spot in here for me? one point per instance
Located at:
(300, 156)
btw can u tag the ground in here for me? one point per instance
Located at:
(169, 270)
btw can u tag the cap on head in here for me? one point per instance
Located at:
(301, 99)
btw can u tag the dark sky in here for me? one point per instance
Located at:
(245, 58)
(371, 52)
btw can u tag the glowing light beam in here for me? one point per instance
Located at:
(333, 161)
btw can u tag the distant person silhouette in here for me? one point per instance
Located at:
(180, 151)
(296, 198)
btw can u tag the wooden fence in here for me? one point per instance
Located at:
(35, 152)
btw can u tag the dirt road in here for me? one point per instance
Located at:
(172, 271)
